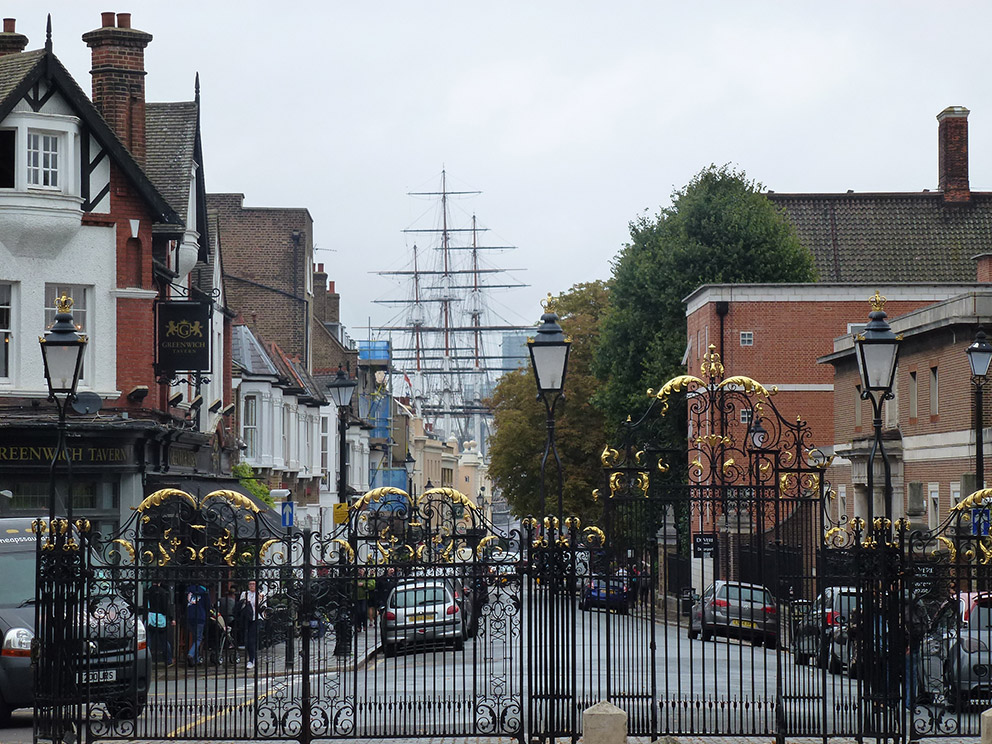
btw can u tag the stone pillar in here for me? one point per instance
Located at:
(605, 723)
(986, 726)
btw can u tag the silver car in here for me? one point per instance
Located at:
(423, 611)
(733, 608)
(957, 653)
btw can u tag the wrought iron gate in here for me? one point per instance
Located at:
(418, 619)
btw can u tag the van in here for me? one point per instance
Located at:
(117, 678)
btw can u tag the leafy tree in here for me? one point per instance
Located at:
(516, 447)
(246, 477)
(720, 228)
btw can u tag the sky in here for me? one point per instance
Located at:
(571, 117)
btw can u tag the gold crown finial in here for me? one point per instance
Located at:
(63, 304)
(877, 302)
(549, 303)
(712, 366)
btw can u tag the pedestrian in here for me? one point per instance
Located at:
(197, 611)
(917, 623)
(252, 602)
(159, 622)
(363, 592)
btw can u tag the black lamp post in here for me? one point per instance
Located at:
(979, 356)
(410, 464)
(549, 358)
(341, 391)
(62, 349)
(877, 350)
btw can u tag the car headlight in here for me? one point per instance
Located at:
(17, 642)
(972, 645)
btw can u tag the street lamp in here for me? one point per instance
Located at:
(410, 464)
(979, 356)
(341, 391)
(549, 358)
(877, 350)
(62, 349)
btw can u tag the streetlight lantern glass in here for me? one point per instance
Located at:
(409, 463)
(62, 349)
(979, 355)
(549, 354)
(877, 350)
(342, 389)
(757, 434)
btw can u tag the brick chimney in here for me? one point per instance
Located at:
(11, 42)
(952, 154)
(119, 78)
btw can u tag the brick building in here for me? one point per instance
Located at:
(88, 208)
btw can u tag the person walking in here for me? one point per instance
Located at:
(159, 622)
(252, 602)
(197, 611)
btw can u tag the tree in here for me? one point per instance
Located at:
(720, 228)
(517, 444)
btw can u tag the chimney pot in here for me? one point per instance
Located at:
(11, 42)
(107, 19)
(123, 20)
(320, 268)
(8, 25)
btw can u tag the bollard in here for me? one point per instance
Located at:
(986, 726)
(604, 723)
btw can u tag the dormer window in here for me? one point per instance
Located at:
(43, 160)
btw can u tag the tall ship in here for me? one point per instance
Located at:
(450, 337)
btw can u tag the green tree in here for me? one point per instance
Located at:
(720, 228)
(517, 444)
(246, 477)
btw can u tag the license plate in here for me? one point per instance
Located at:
(422, 618)
(742, 623)
(99, 675)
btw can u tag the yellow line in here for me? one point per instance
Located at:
(205, 719)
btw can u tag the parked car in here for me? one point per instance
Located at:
(958, 649)
(611, 594)
(819, 633)
(422, 611)
(117, 665)
(733, 608)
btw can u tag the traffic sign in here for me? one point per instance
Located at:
(288, 511)
(980, 522)
(340, 514)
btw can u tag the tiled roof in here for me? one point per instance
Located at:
(170, 141)
(13, 68)
(311, 386)
(249, 354)
(899, 237)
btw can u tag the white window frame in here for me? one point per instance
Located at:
(747, 338)
(6, 329)
(44, 158)
(933, 504)
(249, 426)
(955, 492)
(81, 312)
(841, 501)
(746, 416)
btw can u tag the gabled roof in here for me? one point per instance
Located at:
(896, 237)
(21, 71)
(248, 353)
(171, 138)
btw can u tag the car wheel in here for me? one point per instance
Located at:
(707, 634)
(5, 712)
(692, 633)
(459, 644)
(125, 709)
(625, 609)
(389, 650)
(583, 605)
(800, 658)
(771, 642)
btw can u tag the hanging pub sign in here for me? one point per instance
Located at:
(183, 336)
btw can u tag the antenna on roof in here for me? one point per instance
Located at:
(48, 35)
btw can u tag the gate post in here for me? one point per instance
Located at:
(605, 723)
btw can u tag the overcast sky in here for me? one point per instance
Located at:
(571, 117)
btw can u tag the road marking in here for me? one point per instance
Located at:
(204, 719)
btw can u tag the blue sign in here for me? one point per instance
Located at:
(288, 510)
(980, 522)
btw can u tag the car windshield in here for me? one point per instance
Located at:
(419, 596)
(981, 618)
(845, 603)
(17, 569)
(747, 594)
